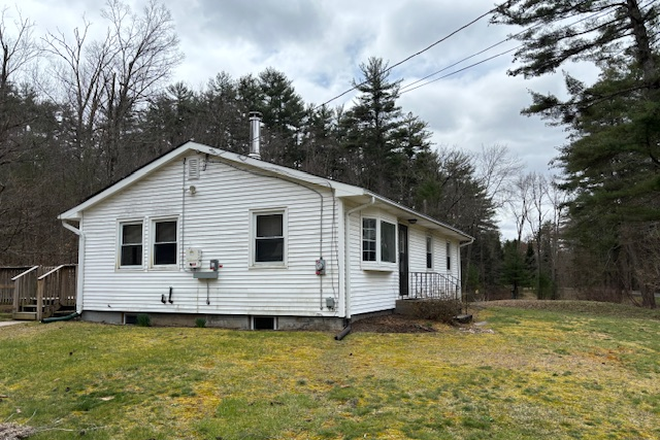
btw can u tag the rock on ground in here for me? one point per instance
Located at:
(13, 431)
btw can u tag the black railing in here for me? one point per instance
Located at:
(433, 285)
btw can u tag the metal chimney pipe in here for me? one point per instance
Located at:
(255, 135)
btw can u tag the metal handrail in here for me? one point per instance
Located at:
(25, 273)
(433, 285)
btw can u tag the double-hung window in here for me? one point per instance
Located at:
(378, 243)
(269, 239)
(369, 242)
(165, 243)
(387, 242)
(130, 244)
(448, 256)
(429, 252)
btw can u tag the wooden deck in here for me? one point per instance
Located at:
(40, 292)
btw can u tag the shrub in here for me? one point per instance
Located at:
(200, 322)
(144, 320)
(442, 310)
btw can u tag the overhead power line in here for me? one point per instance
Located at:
(410, 87)
(446, 37)
(457, 71)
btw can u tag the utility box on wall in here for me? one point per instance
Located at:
(193, 258)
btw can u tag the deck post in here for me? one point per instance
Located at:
(40, 298)
(17, 294)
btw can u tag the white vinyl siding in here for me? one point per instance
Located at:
(373, 289)
(417, 245)
(215, 219)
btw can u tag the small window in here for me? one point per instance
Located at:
(448, 256)
(429, 253)
(165, 244)
(368, 239)
(387, 242)
(131, 245)
(269, 238)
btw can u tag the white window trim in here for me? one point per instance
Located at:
(120, 224)
(152, 242)
(379, 264)
(252, 248)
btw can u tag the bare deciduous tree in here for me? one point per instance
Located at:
(17, 49)
(497, 170)
(108, 81)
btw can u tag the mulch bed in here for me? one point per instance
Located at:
(392, 324)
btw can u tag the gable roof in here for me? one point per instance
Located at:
(342, 190)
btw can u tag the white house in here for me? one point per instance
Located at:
(242, 243)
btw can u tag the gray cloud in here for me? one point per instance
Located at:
(266, 24)
(320, 44)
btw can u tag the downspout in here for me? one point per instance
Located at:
(347, 254)
(182, 251)
(81, 264)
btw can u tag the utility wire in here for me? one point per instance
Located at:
(409, 87)
(446, 37)
(459, 70)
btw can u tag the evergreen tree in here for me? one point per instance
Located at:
(283, 111)
(369, 128)
(612, 161)
(515, 270)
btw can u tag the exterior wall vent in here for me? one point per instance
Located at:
(264, 323)
(193, 169)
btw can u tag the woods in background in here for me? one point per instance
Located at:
(99, 109)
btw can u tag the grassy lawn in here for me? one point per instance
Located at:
(571, 373)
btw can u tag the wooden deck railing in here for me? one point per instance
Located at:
(434, 285)
(7, 285)
(40, 291)
(56, 289)
(25, 288)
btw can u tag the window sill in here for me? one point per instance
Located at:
(379, 267)
(267, 266)
(130, 269)
(172, 267)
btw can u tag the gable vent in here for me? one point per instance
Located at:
(193, 169)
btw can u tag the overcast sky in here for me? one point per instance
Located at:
(319, 45)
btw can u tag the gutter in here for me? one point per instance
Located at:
(347, 254)
(466, 243)
(81, 263)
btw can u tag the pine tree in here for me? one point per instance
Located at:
(612, 161)
(369, 128)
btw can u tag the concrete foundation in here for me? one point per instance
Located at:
(237, 322)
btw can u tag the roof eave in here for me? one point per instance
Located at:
(463, 237)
